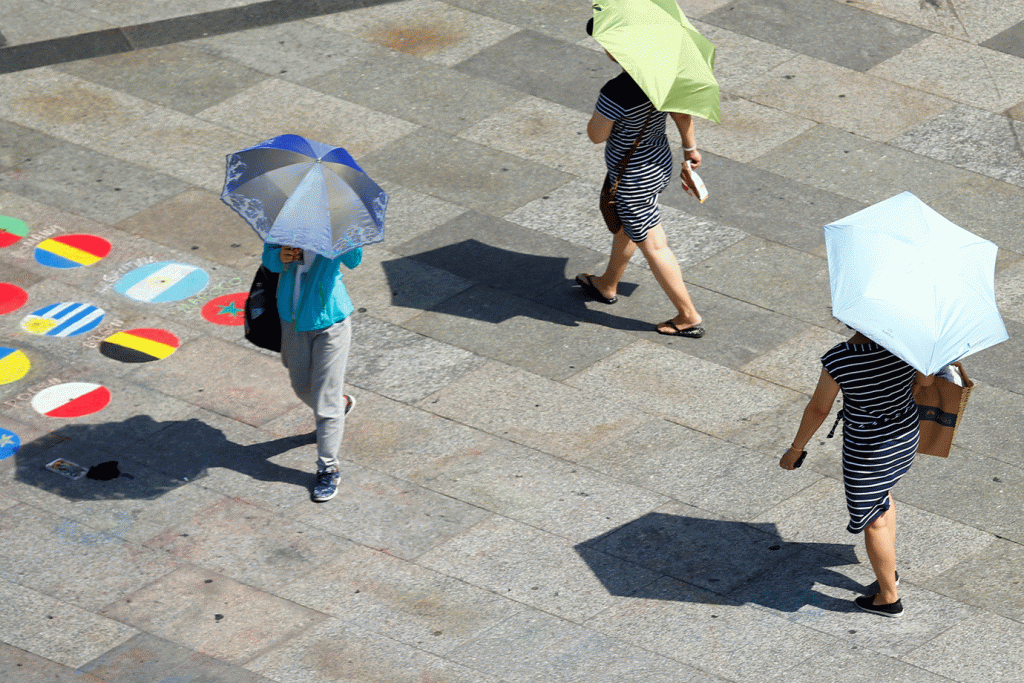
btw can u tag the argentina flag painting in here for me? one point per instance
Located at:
(164, 281)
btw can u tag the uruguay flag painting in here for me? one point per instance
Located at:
(164, 281)
(64, 319)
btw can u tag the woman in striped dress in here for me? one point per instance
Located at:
(880, 435)
(621, 111)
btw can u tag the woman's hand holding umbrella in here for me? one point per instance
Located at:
(289, 254)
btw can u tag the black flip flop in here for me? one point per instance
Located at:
(592, 291)
(695, 332)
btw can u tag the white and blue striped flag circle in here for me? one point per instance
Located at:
(64, 319)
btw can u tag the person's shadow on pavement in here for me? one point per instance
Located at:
(537, 280)
(718, 562)
(140, 458)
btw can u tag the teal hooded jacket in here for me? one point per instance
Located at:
(323, 299)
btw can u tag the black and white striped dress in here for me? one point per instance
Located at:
(880, 425)
(650, 168)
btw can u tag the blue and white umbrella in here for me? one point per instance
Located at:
(914, 282)
(301, 193)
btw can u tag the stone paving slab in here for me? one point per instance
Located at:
(403, 601)
(16, 664)
(73, 563)
(179, 77)
(541, 66)
(843, 98)
(702, 629)
(362, 656)
(997, 154)
(559, 650)
(987, 579)
(1008, 41)
(850, 663)
(503, 400)
(55, 630)
(951, 68)
(536, 486)
(148, 658)
(422, 92)
(212, 614)
(973, 636)
(857, 40)
(537, 569)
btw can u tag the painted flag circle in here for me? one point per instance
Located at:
(71, 251)
(12, 297)
(164, 281)
(9, 443)
(141, 345)
(14, 365)
(226, 310)
(65, 319)
(74, 399)
(11, 230)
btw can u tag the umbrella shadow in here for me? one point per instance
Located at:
(538, 282)
(140, 458)
(719, 562)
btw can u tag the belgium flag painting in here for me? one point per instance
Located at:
(141, 345)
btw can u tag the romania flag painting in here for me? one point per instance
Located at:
(141, 345)
(71, 251)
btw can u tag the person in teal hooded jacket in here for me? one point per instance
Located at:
(316, 332)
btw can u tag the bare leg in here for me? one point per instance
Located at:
(666, 271)
(623, 249)
(880, 540)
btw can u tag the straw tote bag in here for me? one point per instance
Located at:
(941, 407)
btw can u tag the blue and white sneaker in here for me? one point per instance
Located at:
(326, 486)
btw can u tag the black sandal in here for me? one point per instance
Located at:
(585, 281)
(695, 332)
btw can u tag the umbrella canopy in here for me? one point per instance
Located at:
(912, 281)
(305, 194)
(658, 46)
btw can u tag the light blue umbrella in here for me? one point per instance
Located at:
(912, 281)
(302, 193)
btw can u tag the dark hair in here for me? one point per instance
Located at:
(590, 26)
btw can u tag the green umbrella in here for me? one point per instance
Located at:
(662, 51)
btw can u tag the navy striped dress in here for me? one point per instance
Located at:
(650, 168)
(880, 425)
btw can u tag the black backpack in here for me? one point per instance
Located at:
(262, 322)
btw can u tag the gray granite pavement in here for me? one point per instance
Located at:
(536, 487)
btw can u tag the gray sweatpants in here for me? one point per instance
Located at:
(316, 363)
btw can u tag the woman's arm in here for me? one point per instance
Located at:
(688, 132)
(600, 128)
(272, 258)
(815, 414)
(353, 258)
